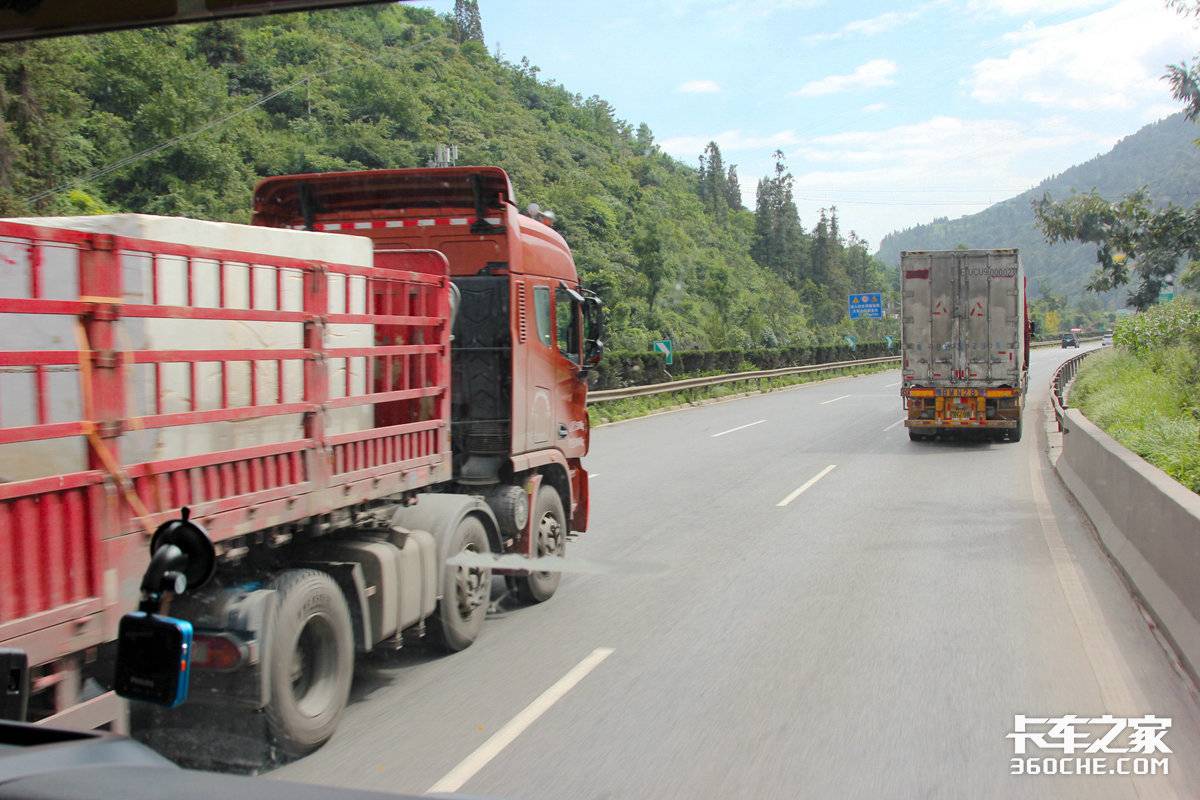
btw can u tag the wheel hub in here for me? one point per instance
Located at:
(313, 665)
(472, 585)
(549, 535)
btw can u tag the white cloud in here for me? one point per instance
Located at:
(874, 73)
(739, 10)
(1035, 7)
(762, 8)
(902, 175)
(688, 147)
(870, 26)
(1111, 59)
(698, 87)
(874, 108)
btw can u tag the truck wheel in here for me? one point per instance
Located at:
(459, 615)
(550, 530)
(1014, 434)
(918, 437)
(310, 655)
(510, 504)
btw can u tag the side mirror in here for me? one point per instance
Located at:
(593, 327)
(1032, 327)
(593, 351)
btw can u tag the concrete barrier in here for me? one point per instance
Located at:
(1148, 522)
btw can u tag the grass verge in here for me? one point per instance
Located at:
(631, 407)
(1149, 403)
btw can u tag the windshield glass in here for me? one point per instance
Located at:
(704, 398)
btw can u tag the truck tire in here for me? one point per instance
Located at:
(510, 504)
(918, 437)
(1014, 434)
(550, 530)
(466, 591)
(310, 655)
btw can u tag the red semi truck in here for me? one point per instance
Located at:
(341, 414)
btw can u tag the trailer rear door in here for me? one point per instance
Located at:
(962, 319)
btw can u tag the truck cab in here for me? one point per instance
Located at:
(525, 333)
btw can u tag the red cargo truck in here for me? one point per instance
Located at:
(357, 425)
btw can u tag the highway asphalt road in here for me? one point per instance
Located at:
(873, 637)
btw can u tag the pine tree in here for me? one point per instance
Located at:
(820, 250)
(713, 182)
(779, 240)
(764, 214)
(645, 140)
(468, 25)
(733, 191)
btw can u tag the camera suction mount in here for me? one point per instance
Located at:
(182, 558)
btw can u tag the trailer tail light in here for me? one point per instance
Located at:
(217, 651)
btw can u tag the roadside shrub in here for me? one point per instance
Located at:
(617, 370)
(1159, 327)
(1149, 403)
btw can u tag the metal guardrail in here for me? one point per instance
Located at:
(1057, 342)
(604, 395)
(714, 380)
(1059, 384)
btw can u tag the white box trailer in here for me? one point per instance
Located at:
(59, 275)
(964, 340)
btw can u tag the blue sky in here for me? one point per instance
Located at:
(896, 113)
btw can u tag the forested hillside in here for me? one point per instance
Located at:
(1162, 156)
(667, 245)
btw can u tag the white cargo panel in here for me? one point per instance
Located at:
(963, 318)
(46, 332)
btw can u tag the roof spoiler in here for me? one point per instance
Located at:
(292, 199)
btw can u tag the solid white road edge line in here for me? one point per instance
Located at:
(894, 424)
(1101, 651)
(739, 427)
(1115, 682)
(466, 769)
(834, 400)
(807, 484)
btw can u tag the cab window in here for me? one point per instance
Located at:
(541, 310)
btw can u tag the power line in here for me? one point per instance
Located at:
(127, 160)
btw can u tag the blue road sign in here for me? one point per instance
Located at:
(868, 305)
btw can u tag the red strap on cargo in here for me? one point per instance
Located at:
(113, 467)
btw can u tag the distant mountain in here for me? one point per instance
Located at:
(1162, 156)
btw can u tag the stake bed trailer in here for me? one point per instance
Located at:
(319, 419)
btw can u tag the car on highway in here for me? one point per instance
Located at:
(1106, 340)
(1070, 340)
